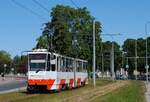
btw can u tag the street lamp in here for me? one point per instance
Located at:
(146, 66)
(136, 58)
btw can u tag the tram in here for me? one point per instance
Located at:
(52, 71)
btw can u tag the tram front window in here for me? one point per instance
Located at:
(37, 66)
(37, 62)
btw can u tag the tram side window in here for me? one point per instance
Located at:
(84, 66)
(53, 67)
(62, 64)
(48, 63)
(53, 63)
(79, 66)
(58, 63)
(71, 65)
(67, 65)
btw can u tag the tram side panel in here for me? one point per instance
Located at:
(42, 78)
(65, 80)
(81, 78)
(52, 77)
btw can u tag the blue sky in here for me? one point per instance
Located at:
(20, 28)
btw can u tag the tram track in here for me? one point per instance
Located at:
(88, 96)
(83, 94)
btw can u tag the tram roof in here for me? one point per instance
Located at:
(45, 51)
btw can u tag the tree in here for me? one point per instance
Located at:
(66, 24)
(5, 59)
(129, 47)
(20, 64)
(106, 50)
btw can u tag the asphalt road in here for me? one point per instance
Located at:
(12, 85)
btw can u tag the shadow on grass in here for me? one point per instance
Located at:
(49, 91)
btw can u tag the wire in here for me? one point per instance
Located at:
(74, 3)
(41, 5)
(28, 9)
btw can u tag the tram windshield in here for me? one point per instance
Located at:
(37, 62)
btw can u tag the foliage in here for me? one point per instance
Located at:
(68, 25)
(106, 50)
(20, 64)
(5, 59)
(129, 47)
(69, 32)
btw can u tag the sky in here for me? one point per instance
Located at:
(19, 28)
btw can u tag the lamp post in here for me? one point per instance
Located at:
(112, 61)
(146, 66)
(74, 45)
(94, 60)
(136, 58)
(102, 59)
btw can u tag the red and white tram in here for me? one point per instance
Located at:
(53, 71)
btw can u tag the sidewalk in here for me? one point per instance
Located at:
(147, 93)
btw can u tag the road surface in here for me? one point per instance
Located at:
(11, 84)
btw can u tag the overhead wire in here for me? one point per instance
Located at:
(42, 6)
(74, 3)
(28, 9)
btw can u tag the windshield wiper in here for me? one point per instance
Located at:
(38, 70)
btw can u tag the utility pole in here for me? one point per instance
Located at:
(122, 59)
(94, 60)
(136, 58)
(102, 59)
(112, 61)
(146, 66)
(103, 65)
(127, 63)
(74, 44)
(112, 55)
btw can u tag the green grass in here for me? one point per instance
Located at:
(48, 97)
(134, 92)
